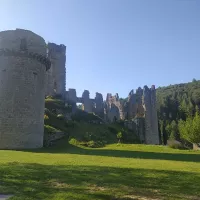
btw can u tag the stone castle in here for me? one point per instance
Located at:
(31, 70)
(139, 110)
(23, 66)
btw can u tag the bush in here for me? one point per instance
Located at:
(73, 141)
(89, 136)
(93, 144)
(119, 136)
(190, 129)
(49, 97)
(46, 117)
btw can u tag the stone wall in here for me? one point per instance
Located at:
(89, 105)
(151, 120)
(23, 65)
(56, 76)
(99, 106)
(87, 102)
(142, 105)
(113, 108)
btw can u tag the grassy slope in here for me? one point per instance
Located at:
(114, 172)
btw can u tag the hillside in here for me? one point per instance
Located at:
(81, 128)
(176, 102)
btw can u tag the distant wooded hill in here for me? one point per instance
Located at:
(175, 102)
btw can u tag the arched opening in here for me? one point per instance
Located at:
(79, 106)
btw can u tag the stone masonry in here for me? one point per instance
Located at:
(113, 108)
(55, 77)
(31, 70)
(151, 119)
(142, 105)
(23, 65)
(139, 110)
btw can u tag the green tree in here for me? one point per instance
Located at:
(190, 129)
(119, 136)
(172, 130)
(194, 80)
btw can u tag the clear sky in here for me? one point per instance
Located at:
(115, 45)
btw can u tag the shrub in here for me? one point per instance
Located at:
(119, 136)
(46, 117)
(89, 136)
(73, 141)
(93, 144)
(190, 129)
(49, 97)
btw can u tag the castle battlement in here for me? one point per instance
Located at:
(55, 48)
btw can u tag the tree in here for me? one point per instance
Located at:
(119, 136)
(190, 129)
(194, 80)
(172, 130)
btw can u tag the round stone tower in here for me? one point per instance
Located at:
(23, 64)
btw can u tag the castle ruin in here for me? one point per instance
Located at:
(23, 65)
(31, 70)
(55, 76)
(139, 111)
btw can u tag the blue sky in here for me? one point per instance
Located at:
(116, 45)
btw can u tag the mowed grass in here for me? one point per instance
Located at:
(115, 172)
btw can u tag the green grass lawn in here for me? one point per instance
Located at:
(123, 172)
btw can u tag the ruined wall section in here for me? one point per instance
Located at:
(23, 65)
(154, 116)
(134, 106)
(149, 103)
(139, 105)
(70, 97)
(99, 106)
(131, 106)
(87, 102)
(88, 105)
(114, 109)
(56, 76)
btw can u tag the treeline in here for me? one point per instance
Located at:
(175, 103)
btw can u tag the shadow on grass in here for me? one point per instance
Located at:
(71, 149)
(40, 182)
